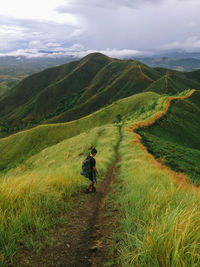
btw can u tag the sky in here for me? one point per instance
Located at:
(117, 28)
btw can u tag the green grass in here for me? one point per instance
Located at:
(160, 223)
(175, 138)
(33, 195)
(18, 147)
(159, 220)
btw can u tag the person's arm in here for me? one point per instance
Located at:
(95, 169)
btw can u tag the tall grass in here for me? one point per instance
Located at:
(33, 195)
(160, 220)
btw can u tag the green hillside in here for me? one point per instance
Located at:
(85, 85)
(78, 88)
(173, 83)
(175, 138)
(41, 186)
(18, 147)
(194, 75)
(6, 86)
(32, 98)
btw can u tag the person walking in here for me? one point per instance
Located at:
(92, 171)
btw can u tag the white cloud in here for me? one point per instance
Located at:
(9, 34)
(137, 25)
(40, 10)
(76, 50)
(190, 44)
(75, 6)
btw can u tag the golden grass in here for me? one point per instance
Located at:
(34, 194)
(160, 218)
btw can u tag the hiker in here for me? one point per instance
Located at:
(91, 170)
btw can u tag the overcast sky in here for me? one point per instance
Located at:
(114, 27)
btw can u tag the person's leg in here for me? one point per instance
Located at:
(90, 185)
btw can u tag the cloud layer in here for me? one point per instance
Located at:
(116, 27)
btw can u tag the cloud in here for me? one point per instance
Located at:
(18, 33)
(190, 44)
(123, 26)
(134, 24)
(74, 6)
(76, 50)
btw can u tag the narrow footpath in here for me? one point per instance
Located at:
(83, 240)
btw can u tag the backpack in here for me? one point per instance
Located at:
(86, 169)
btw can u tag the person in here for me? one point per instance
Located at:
(93, 171)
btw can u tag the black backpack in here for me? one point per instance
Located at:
(86, 169)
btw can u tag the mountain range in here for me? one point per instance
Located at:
(78, 88)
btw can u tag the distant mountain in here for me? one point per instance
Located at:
(78, 88)
(175, 63)
(13, 69)
(178, 54)
(21, 65)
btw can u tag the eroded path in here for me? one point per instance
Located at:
(83, 240)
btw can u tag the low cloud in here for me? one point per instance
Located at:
(76, 51)
(190, 44)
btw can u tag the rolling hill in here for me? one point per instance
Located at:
(20, 146)
(78, 88)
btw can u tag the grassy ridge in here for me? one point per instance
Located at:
(175, 138)
(18, 147)
(76, 89)
(33, 195)
(160, 224)
(159, 219)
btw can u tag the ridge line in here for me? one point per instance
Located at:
(181, 178)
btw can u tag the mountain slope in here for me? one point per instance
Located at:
(175, 137)
(17, 147)
(76, 89)
(173, 82)
(40, 93)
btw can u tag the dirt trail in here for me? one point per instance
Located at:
(82, 241)
(182, 179)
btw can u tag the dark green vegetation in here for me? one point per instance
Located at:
(175, 138)
(13, 69)
(78, 88)
(18, 67)
(6, 85)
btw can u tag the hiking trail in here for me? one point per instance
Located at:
(82, 240)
